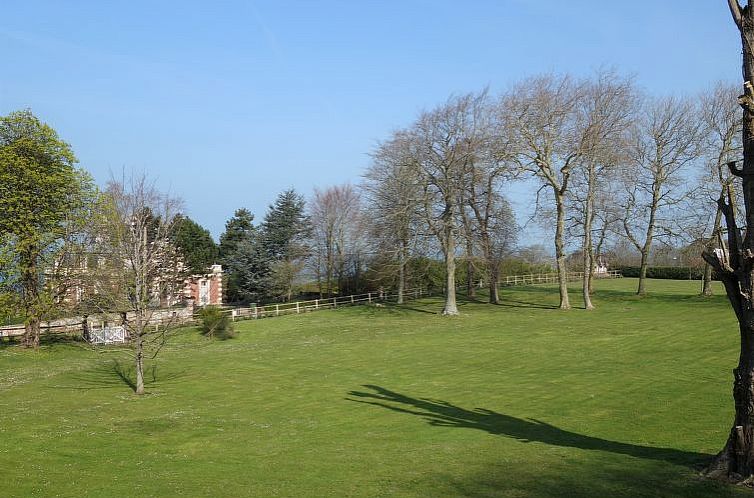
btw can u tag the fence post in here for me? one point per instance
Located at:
(277, 310)
(316, 304)
(335, 302)
(369, 296)
(297, 310)
(351, 298)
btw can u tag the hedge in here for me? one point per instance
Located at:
(666, 272)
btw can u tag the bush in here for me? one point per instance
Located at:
(666, 272)
(215, 323)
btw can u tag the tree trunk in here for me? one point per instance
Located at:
(642, 290)
(32, 331)
(560, 255)
(736, 266)
(402, 270)
(707, 281)
(139, 354)
(586, 247)
(493, 277)
(451, 307)
(470, 289)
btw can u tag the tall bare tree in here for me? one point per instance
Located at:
(606, 110)
(734, 261)
(334, 214)
(667, 140)
(392, 191)
(447, 139)
(544, 115)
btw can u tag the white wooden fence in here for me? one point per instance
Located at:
(293, 308)
(550, 278)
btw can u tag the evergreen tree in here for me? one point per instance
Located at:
(195, 243)
(240, 234)
(284, 233)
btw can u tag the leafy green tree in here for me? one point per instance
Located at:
(195, 244)
(44, 200)
(285, 230)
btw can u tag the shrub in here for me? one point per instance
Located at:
(215, 323)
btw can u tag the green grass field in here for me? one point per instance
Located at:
(517, 400)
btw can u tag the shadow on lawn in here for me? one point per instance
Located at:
(116, 374)
(445, 414)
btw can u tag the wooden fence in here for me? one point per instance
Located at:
(550, 278)
(184, 317)
(293, 308)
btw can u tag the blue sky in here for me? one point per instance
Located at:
(227, 103)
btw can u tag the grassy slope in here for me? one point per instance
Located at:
(517, 400)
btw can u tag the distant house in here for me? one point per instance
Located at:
(207, 289)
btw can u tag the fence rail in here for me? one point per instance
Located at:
(292, 308)
(75, 324)
(550, 278)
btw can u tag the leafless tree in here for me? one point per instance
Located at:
(392, 190)
(335, 217)
(137, 268)
(551, 140)
(666, 141)
(722, 119)
(605, 113)
(733, 258)
(447, 139)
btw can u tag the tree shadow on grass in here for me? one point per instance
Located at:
(116, 374)
(444, 414)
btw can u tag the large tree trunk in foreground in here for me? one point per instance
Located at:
(735, 263)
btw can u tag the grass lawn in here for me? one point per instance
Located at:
(517, 400)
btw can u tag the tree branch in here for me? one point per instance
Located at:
(735, 11)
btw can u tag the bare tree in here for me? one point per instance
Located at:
(606, 111)
(734, 261)
(334, 214)
(392, 190)
(138, 268)
(544, 115)
(447, 139)
(667, 140)
(722, 118)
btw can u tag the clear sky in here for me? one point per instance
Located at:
(226, 103)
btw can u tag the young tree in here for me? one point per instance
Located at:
(195, 244)
(138, 265)
(44, 201)
(284, 234)
(734, 261)
(667, 140)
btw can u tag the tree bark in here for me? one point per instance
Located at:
(586, 247)
(139, 389)
(450, 308)
(402, 257)
(707, 279)
(736, 266)
(560, 255)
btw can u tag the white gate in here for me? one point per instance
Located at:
(108, 335)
